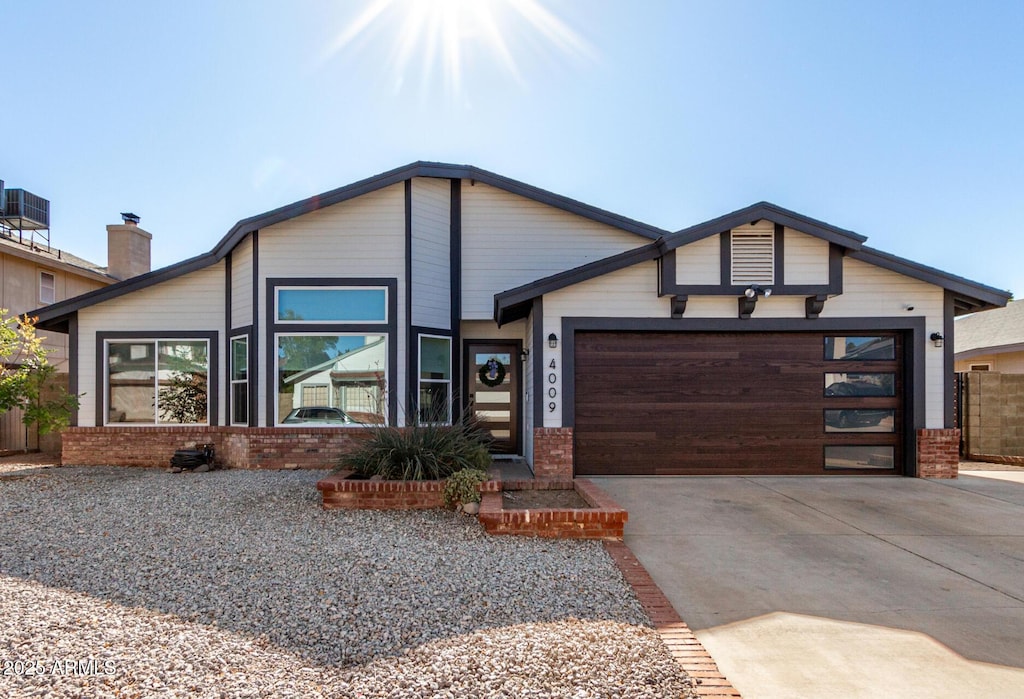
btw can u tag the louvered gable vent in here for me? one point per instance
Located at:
(753, 257)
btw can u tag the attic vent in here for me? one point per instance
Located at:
(753, 258)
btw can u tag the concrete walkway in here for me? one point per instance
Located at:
(842, 587)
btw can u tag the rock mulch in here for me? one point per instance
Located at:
(138, 583)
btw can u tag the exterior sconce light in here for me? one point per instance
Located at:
(553, 341)
(523, 355)
(756, 290)
(937, 339)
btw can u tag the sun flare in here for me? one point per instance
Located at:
(443, 37)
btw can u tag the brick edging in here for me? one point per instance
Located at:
(675, 634)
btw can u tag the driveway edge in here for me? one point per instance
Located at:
(676, 635)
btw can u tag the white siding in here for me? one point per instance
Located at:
(508, 241)
(362, 237)
(194, 301)
(805, 258)
(241, 284)
(627, 293)
(700, 262)
(870, 291)
(431, 262)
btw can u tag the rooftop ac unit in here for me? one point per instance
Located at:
(25, 210)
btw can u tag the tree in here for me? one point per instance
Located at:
(26, 376)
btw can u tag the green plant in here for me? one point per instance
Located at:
(421, 451)
(26, 377)
(464, 486)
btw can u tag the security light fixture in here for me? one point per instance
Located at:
(553, 341)
(756, 290)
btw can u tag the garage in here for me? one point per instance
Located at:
(739, 403)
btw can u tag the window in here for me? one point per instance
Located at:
(753, 257)
(331, 305)
(346, 372)
(240, 380)
(981, 367)
(157, 382)
(860, 385)
(435, 403)
(873, 457)
(860, 349)
(860, 420)
(47, 288)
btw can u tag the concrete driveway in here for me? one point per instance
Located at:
(842, 587)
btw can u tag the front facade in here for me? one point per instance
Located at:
(588, 343)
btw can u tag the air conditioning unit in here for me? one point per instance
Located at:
(25, 210)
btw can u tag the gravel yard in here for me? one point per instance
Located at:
(138, 583)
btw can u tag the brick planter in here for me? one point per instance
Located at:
(938, 453)
(339, 493)
(603, 520)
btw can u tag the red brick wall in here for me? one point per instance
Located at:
(552, 452)
(236, 447)
(338, 493)
(938, 453)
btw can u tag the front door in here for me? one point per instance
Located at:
(494, 389)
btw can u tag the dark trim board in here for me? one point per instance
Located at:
(914, 353)
(539, 343)
(948, 359)
(411, 377)
(455, 278)
(213, 376)
(273, 327)
(73, 365)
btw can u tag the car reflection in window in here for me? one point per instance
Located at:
(319, 416)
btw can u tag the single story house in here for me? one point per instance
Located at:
(991, 341)
(760, 342)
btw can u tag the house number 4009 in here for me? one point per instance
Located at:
(552, 391)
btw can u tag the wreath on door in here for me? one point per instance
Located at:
(492, 373)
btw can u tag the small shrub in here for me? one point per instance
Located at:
(421, 452)
(464, 486)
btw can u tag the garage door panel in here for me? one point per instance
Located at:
(721, 403)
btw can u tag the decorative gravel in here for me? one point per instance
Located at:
(139, 583)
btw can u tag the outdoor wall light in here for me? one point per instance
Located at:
(937, 339)
(523, 355)
(553, 341)
(755, 289)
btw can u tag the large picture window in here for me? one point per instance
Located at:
(158, 382)
(332, 305)
(240, 380)
(344, 375)
(435, 402)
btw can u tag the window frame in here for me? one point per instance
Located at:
(232, 381)
(419, 373)
(329, 287)
(53, 287)
(275, 348)
(104, 341)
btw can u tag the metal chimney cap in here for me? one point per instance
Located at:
(129, 217)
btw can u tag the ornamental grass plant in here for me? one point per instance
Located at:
(426, 450)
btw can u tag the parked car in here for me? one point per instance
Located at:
(319, 415)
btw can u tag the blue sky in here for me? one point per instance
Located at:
(901, 121)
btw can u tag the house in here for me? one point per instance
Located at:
(992, 341)
(33, 274)
(760, 342)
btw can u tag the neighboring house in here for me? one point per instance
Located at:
(991, 341)
(33, 274)
(761, 342)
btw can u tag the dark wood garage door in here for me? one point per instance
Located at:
(738, 403)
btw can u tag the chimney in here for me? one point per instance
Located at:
(127, 248)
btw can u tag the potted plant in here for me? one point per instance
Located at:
(462, 489)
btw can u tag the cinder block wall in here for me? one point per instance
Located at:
(993, 414)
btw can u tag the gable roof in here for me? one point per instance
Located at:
(56, 317)
(773, 213)
(999, 330)
(969, 296)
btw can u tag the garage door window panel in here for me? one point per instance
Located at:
(860, 457)
(861, 349)
(860, 385)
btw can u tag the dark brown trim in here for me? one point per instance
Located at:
(390, 328)
(948, 359)
(254, 350)
(227, 331)
(213, 375)
(779, 256)
(724, 261)
(835, 269)
(411, 376)
(455, 279)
